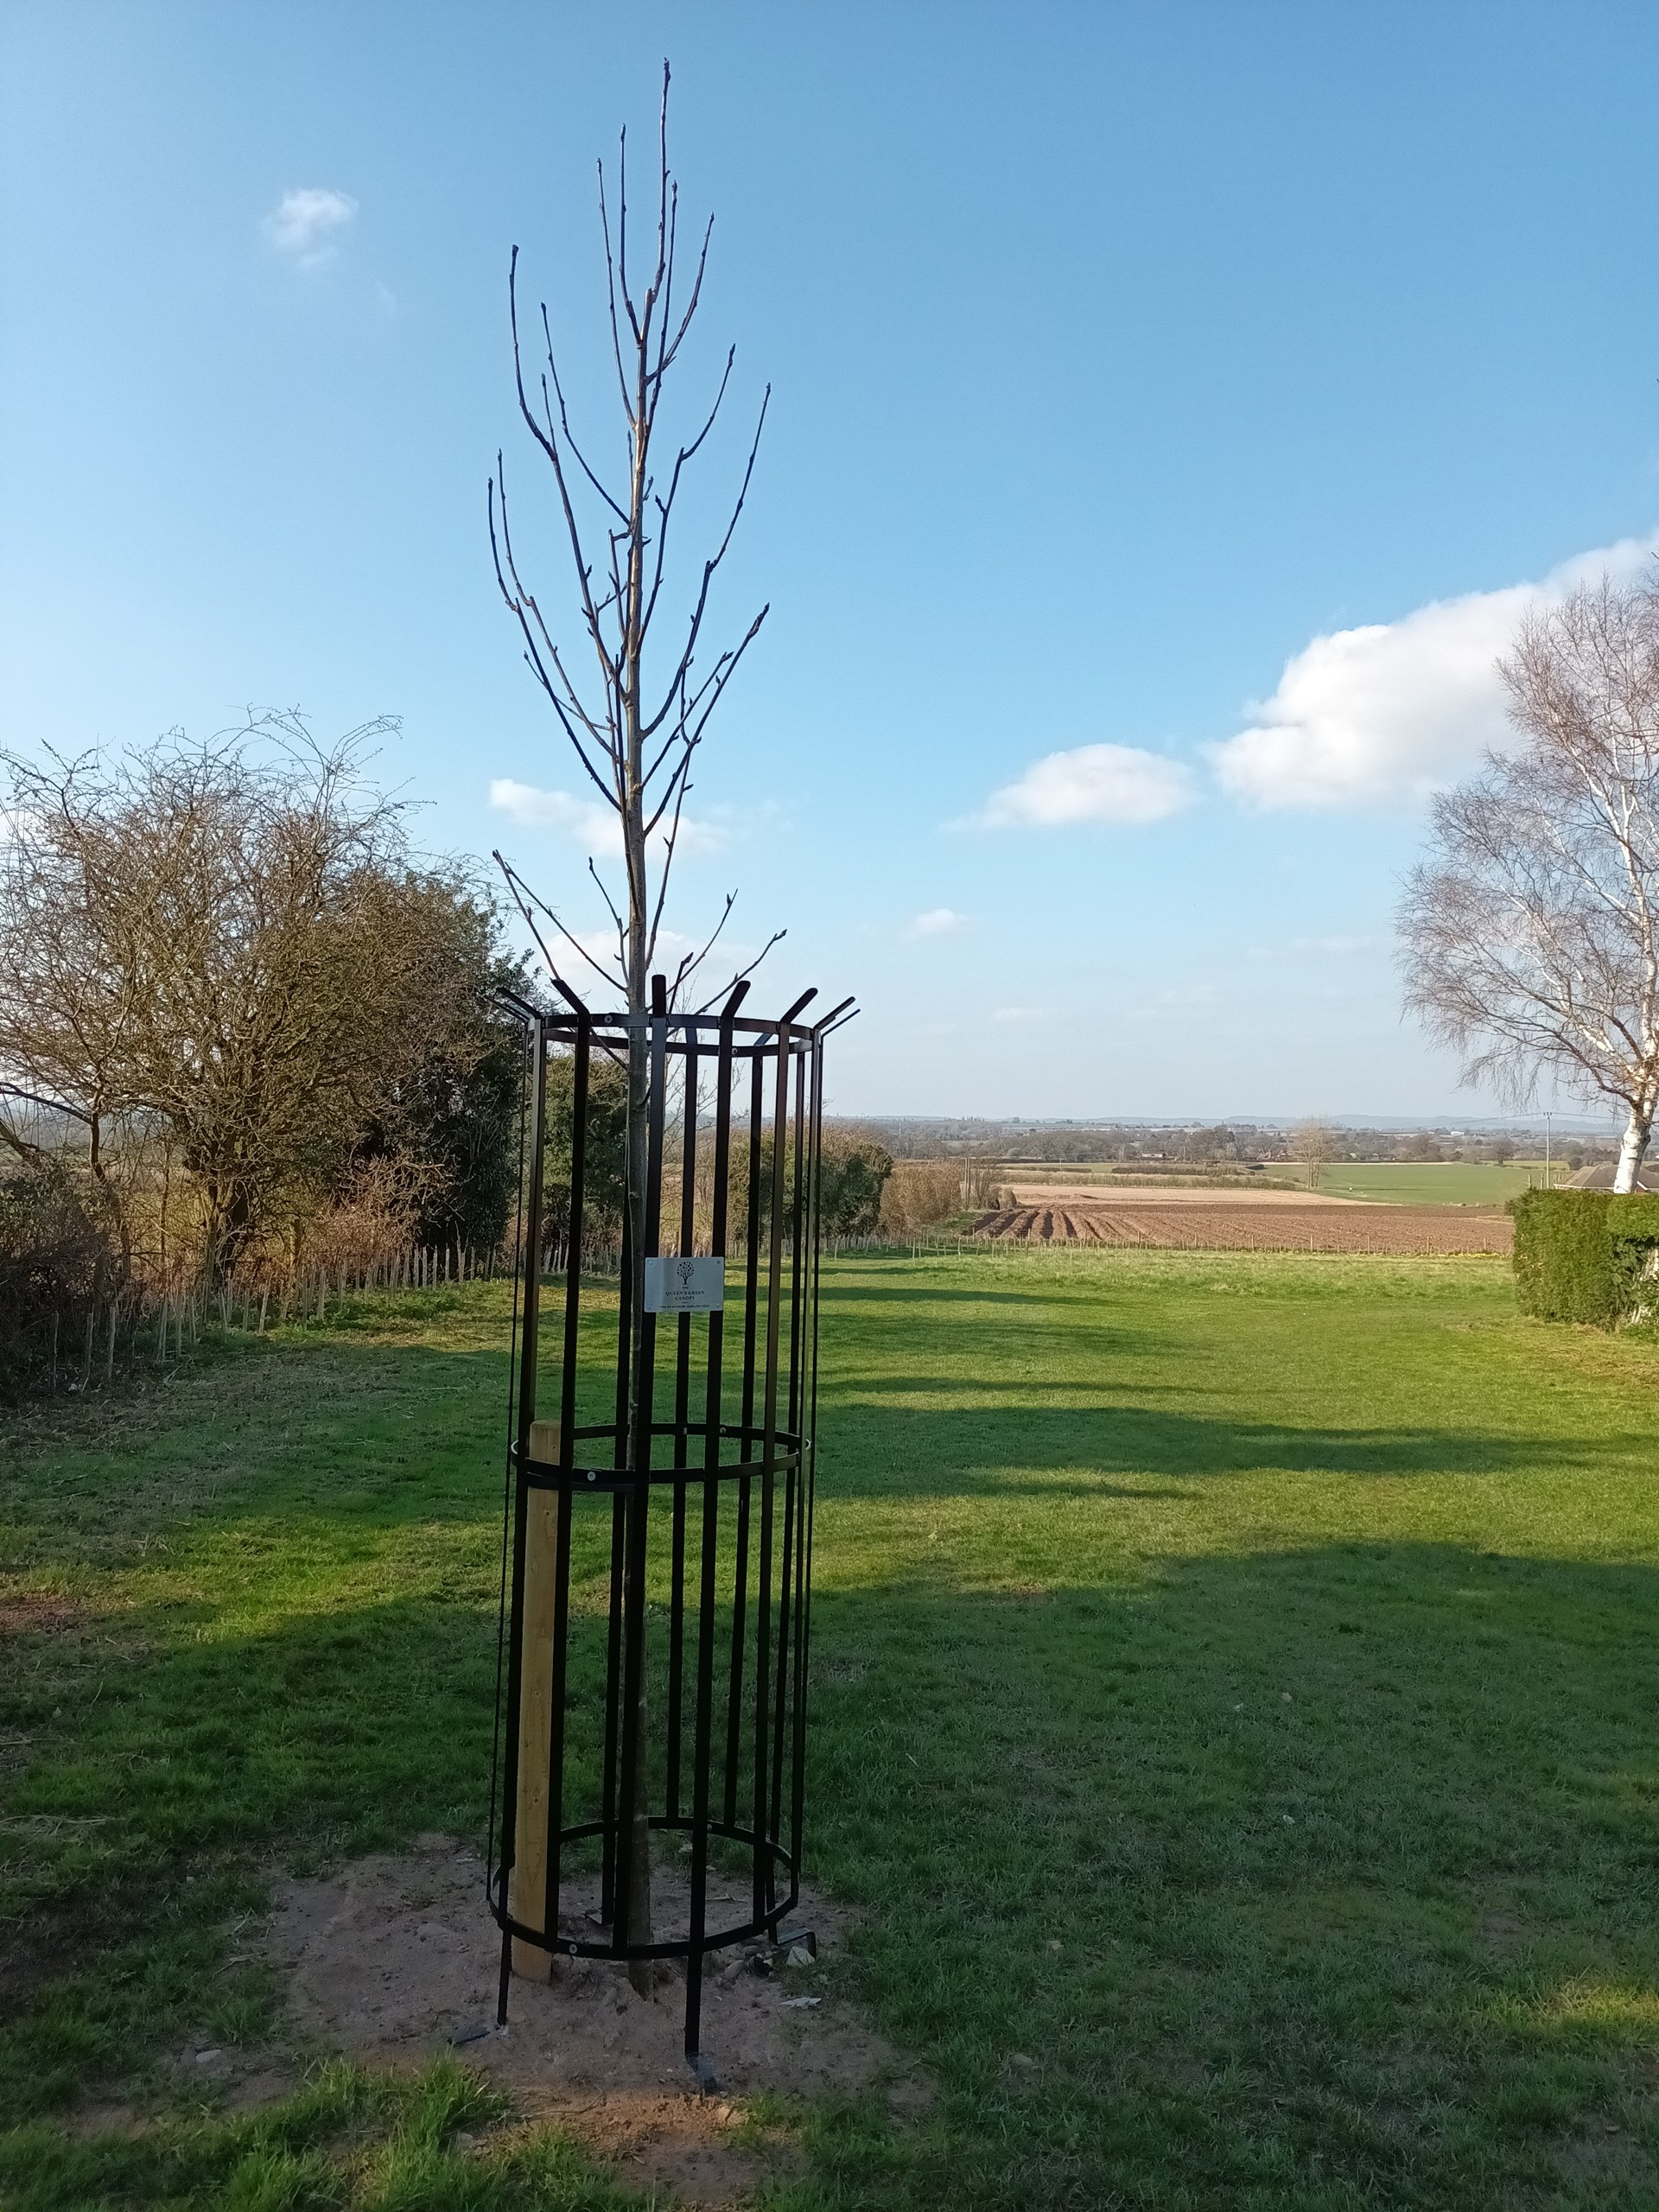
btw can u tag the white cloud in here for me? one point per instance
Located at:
(1093, 782)
(1326, 948)
(938, 921)
(1178, 999)
(590, 821)
(306, 225)
(1387, 713)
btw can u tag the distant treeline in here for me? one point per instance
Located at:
(1221, 1144)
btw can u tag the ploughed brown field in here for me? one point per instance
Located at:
(1274, 1223)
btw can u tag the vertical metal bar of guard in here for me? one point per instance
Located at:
(581, 1065)
(490, 1860)
(809, 1454)
(795, 1079)
(789, 1564)
(528, 1341)
(702, 1744)
(746, 1451)
(763, 1883)
(631, 1780)
(796, 1255)
(618, 1555)
(579, 1072)
(681, 1396)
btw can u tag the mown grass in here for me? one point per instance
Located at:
(348, 2139)
(1235, 1682)
(1430, 1183)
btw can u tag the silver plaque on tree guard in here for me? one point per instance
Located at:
(685, 1285)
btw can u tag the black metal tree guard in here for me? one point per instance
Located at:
(723, 1458)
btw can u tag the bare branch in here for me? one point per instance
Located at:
(709, 567)
(619, 511)
(692, 961)
(743, 974)
(523, 897)
(665, 504)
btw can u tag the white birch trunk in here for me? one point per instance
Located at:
(1633, 1149)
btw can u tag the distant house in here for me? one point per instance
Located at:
(1601, 1179)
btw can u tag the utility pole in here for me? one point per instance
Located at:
(1549, 1175)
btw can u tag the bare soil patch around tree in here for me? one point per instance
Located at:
(395, 1961)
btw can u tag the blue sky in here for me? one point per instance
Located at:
(1214, 385)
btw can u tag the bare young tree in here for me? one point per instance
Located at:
(1530, 931)
(1314, 1145)
(635, 745)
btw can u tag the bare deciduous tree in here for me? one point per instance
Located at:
(1531, 930)
(225, 941)
(1314, 1145)
(635, 746)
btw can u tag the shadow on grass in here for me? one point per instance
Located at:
(936, 1449)
(1286, 1872)
(1281, 1867)
(927, 1291)
(1275, 1861)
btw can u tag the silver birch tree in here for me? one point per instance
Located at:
(1530, 929)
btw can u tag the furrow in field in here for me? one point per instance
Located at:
(1277, 1228)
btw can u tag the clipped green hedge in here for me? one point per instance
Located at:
(1633, 1234)
(1586, 1256)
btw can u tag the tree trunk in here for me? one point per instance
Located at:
(229, 1230)
(1633, 1150)
(640, 1407)
(638, 1842)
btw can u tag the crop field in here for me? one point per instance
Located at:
(1275, 1225)
(1409, 1183)
(1451, 1183)
(1232, 1748)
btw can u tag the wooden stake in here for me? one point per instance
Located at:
(529, 1887)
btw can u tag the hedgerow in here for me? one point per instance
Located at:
(1586, 1256)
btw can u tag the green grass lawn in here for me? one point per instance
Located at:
(1449, 1183)
(1235, 1681)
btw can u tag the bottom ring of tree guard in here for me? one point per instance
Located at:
(657, 1547)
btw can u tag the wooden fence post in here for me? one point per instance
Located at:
(529, 1885)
